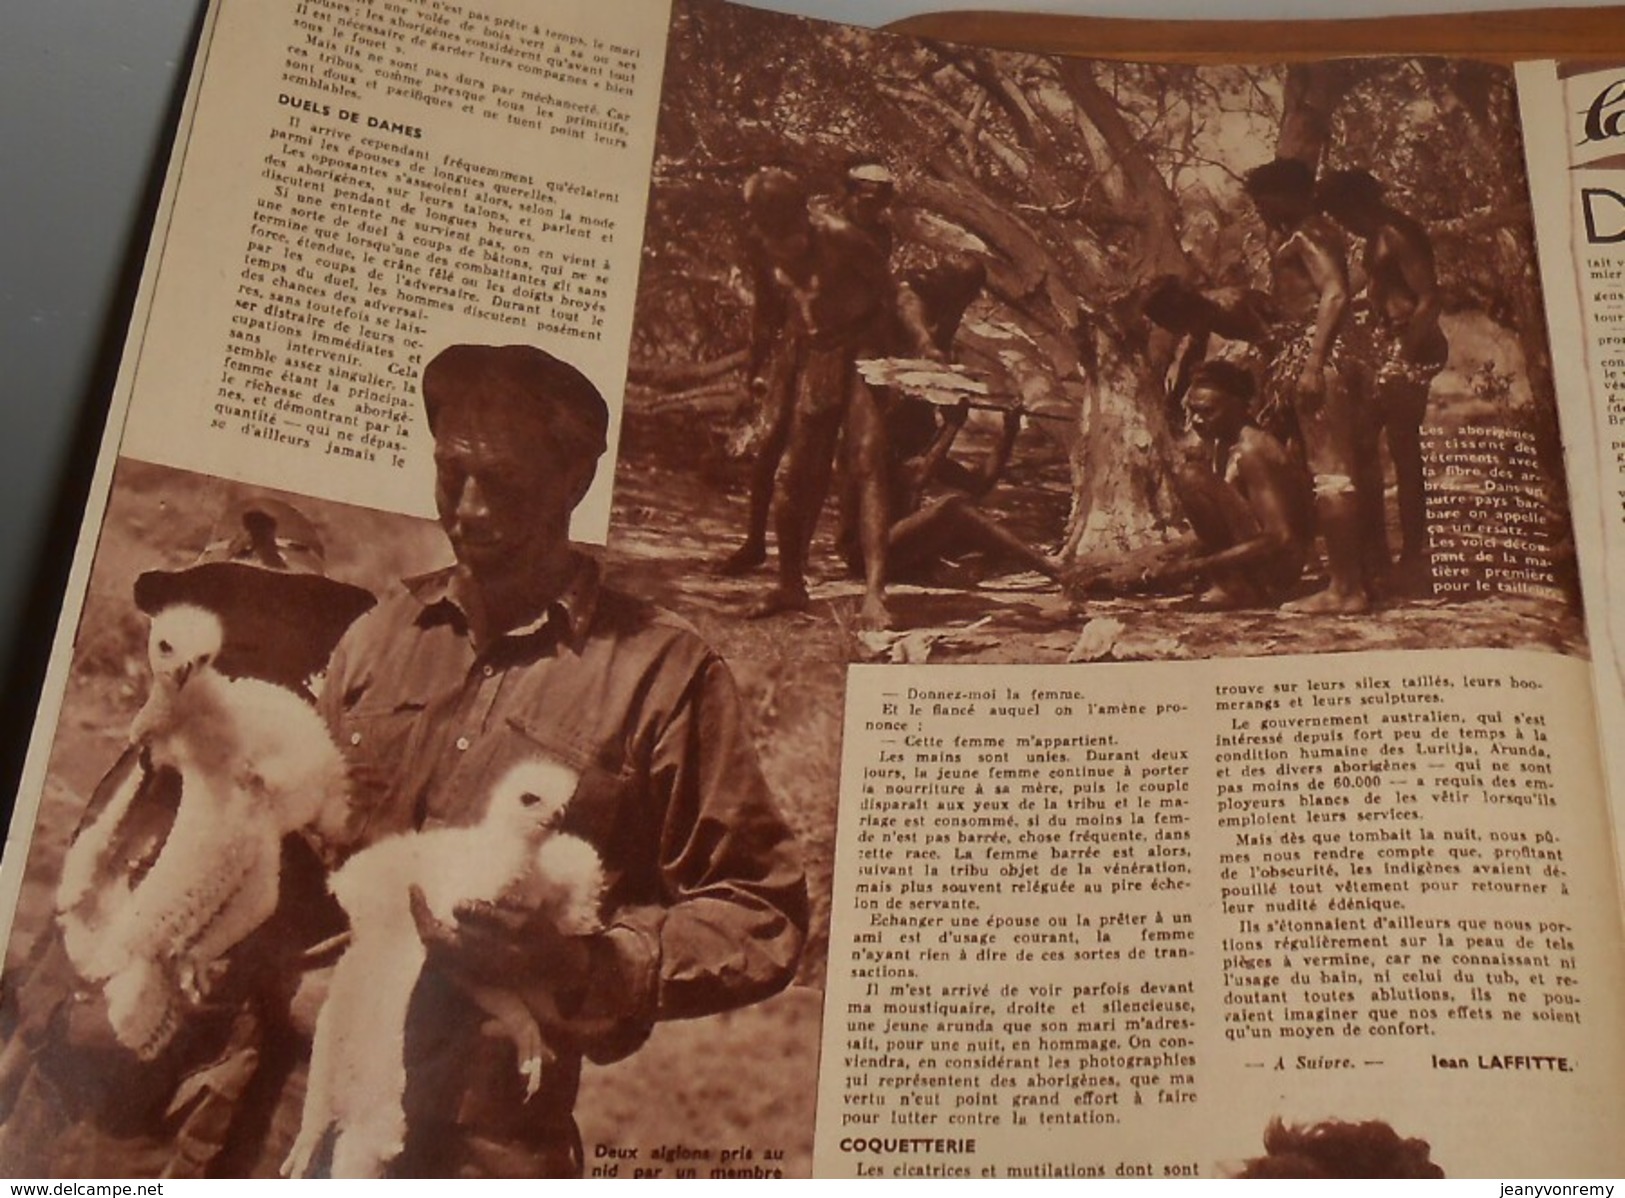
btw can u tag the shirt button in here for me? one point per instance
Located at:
(355, 738)
(462, 744)
(488, 671)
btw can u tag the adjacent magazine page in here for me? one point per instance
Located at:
(1573, 176)
(682, 592)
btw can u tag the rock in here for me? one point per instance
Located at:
(1097, 640)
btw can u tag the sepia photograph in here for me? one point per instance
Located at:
(971, 355)
(1332, 1148)
(350, 863)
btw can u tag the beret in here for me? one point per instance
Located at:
(573, 407)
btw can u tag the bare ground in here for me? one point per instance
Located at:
(679, 507)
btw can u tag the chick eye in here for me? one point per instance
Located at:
(529, 800)
(165, 647)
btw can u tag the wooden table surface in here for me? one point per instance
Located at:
(1589, 33)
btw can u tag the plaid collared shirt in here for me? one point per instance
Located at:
(706, 902)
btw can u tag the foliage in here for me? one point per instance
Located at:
(1426, 127)
(1076, 182)
(1493, 387)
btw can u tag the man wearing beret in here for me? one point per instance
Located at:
(517, 652)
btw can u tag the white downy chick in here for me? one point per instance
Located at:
(512, 857)
(183, 640)
(255, 762)
(94, 882)
(265, 737)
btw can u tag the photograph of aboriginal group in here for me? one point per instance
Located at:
(944, 354)
(939, 355)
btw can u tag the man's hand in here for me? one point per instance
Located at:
(489, 944)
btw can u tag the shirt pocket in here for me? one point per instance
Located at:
(605, 783)
(375, 743)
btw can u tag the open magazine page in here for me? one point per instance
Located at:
(354, 189)
(1084, 640)
(1073, 899)
(1113, 921)
(1574, 180)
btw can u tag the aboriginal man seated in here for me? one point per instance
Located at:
(1248, 499)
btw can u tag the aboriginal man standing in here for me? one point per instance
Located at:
(517, 651)
(1402, 305)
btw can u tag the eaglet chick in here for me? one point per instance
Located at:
(255, 762)
(513, 858)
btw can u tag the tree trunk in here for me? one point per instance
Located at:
(1123, 452)
(1310, 98)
